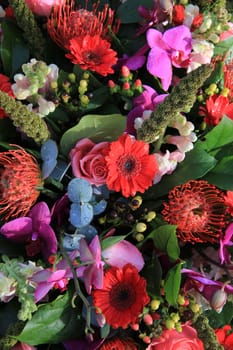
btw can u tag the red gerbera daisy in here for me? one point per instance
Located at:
(5, 86)
(216, 107)
(130, 167)
(198, 210)
(67, 22)
(122, 297)
(20, 177)
(119, 344)
(225, 337)
(92, 52)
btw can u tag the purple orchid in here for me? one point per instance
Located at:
(57, 277)
(92, 272)
(225, 242)
(34, 231)
(148, 100)
(215, 292)
(172, 48)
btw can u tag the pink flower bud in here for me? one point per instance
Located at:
(148, 319)
(125, 72)
(218, 300)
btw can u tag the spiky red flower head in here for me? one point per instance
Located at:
(198, 210)
(93, 53)
(131, 168)
(66, 22)
(20, 177)
(216, 107)
(122, 297)
(119, 344)
(5, 86)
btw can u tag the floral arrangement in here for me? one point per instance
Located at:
(116, 186)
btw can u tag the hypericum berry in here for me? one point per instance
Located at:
(125, 72)
(154, 304)
(140, 227)
(170, 324)
(195, 308)
(148, 319)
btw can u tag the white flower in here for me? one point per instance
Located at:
(7, 288)
(191, 11)
(202, 52)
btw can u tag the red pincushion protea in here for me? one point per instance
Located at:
(20, 178)
(229, 202)
(130, 166)
(119, 344)
(198, 210)
(67, 22)
(122, 297)
(5, 86)
(93, 53)
(216, 107)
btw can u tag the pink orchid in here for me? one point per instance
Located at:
(128, 254)
(169, 49)
(23, 346)
(226, 241)
(92, 272)
(49, 278)
(34, 230)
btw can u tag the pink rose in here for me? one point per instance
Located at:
(88, 161)
(170, 339)
(42, 7)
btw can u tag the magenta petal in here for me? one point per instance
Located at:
(179, 38)
(159, 65)
(17, 230)
(42, 290)
(40, 213)
(85, 253)
(127, 252)
(56, 276)
(155, 39)
(48, 240)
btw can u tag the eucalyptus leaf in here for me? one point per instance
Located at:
(98, 128)
(79, 190)
(81, 214)
(53, 323)
(172, 284)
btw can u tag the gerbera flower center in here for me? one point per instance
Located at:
(128, 165)
(91, 56)
(122, 296)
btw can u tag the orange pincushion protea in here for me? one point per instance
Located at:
(20, 178)
(198, 210)
(66, 22)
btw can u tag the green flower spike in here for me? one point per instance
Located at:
(181, 99)
(32, 33)
(206, 334)
(29, 122)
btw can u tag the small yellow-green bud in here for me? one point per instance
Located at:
(139, 237)
(225, 91)
(213, 87)
(84, 99)
(170, 324)
(175, 317)
(200, 98)
(180, 299)
(178, 327)
(72, 77)
(195, 308)
(154, 304)
(86, 75)
(141, 227)
(151, 215)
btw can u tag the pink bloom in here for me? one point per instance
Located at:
(171, 339)
(92, 272)
(42, 7)
(34, 230)
(169, 49)
(23, 346)
(88, 161)
(127, 252)
(228, 33)
(226, 241)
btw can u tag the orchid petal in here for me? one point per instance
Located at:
(17, 230)
(40, 214)
(48, 240)
(179, 38)
(155, 39)
(159, 65)
(42, 290)
(56, 276)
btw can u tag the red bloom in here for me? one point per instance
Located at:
(5, 86)
(198, 210)
(216, 107)
(119, 344)
(228, 78)
(66, 22)
(92, 52)
(178, 14)
(130, 167)
(122, 297)
(19, 179)
(197, 21)
(229, 202)
(225, 337)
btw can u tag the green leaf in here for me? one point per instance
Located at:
(14, 51)
(97, 127)
(128, 11)
(53, 323)
(219, 136)
(164, 238)
(172, 284)
(195, 165)
(223, 46)
(109, 241)
(221, 174)
(152, 272)
(218, 320)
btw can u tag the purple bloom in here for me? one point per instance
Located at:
(33, 230)
(171, 48)
(225, 242)
(92, 272)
